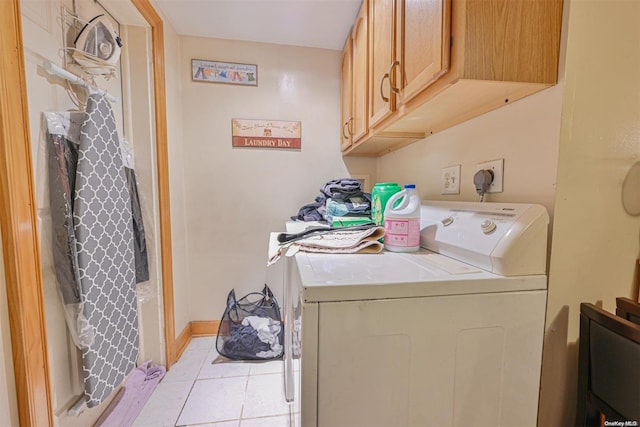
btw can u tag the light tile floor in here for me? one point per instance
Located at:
(197, 392)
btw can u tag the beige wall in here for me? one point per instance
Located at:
(235, 197)
(595, 243)
(525, 134)
(8, 399)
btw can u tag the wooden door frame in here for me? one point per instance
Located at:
(162, 160)
(18, 219)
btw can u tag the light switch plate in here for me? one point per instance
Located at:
(450, 183)
(497, 166)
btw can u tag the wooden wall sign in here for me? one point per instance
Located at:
(224, 72)
(266, 134)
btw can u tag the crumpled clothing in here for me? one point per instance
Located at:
(312, 211)
(271, 354)
(360, 205)
(243, 343)
(342, 188)
(297, 338)
(268, 331)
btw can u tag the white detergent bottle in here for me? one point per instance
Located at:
(402, 222)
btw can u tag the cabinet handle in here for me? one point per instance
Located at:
(346, 125)
(391, 87)
(384, 98)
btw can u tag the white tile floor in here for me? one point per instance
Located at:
(197, 392)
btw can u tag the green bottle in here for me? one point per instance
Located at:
(380, 194)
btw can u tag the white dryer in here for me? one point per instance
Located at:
(448, 336)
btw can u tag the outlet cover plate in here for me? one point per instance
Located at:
(497, 166)
(450, 183)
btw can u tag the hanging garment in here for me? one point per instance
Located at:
(139, 240)
(103, 228)
(62, 130)
(63, 137)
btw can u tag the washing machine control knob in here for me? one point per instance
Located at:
(447, 221)
(487, 226)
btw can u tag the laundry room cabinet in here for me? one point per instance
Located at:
(346, 94)
(409, 50)
(381, 61)
(354, 95)
(433, 64)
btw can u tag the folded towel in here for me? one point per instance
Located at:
(342, 241)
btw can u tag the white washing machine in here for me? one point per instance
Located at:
(447, 336)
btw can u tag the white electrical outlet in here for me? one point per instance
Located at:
(497, 166)
(450, 180)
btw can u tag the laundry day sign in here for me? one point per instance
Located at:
(266, 134)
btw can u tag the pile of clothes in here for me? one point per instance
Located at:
(256, 337)
(340, 201)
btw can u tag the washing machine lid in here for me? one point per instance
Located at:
(508, 239)
(351, 277)
(470, 248)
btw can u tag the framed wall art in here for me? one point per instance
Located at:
(266, 134)
(224, 72)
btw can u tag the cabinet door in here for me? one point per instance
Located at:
(423, 44)
(360, 58)
(381, 65)
(346, 93)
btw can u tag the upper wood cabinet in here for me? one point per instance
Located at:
(423, 43)
(442, 62)
(409, 43)
(346, 94)
(360, 35)
(381, 60)
(354, 81)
